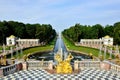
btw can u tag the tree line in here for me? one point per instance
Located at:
(44, 32)
(78, 31)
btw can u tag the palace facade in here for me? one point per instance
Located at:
(12, 40)
(107, 40)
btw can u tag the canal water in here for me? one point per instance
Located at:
(59, 47)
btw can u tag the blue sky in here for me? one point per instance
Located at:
(61, 14)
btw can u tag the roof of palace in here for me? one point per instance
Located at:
(106, 36)
(11, 36)
(90, 39)
(28, 40)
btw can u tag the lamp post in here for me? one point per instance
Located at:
(100, 51)
(17, 51)
(4, 48)
(110, 53)
(12, 59)
(11, 52)
(104, 52)
(21, 50)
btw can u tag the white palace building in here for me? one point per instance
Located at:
(12, 40)
(107, 40)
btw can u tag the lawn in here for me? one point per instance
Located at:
(34, 50)
(87, 50)
(6, 47)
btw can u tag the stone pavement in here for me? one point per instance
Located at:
(86, 74)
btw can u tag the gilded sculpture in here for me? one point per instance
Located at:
(3, 60)
(63, 66)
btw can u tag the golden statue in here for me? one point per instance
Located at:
(12, 60)
(25, 57)
(3, 60)
(64, 66)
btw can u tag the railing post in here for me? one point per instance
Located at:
(25, 66)
(104, 65)
(1, 72)
(19, 67)
(76, 65)
(50, 66)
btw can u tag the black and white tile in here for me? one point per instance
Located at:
(86, 74)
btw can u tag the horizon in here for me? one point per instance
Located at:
(61, 14)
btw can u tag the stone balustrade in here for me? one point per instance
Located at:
(10, 69)
(86, 64)
(114, 68)
(40, 64)
(105, 65)
(7, 52)
(78, 65)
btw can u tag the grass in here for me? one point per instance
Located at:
(6, 47)
(87, 50)
(34, 50)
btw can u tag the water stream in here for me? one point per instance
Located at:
(59, 47)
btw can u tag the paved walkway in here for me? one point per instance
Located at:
(87, 74)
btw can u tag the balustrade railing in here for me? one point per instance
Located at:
(40, 64)
(106, 65)
(87, 64)
(114, 68)
(10, 69)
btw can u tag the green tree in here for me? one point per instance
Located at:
(3, 33)
(20, 30)
(97, 31)
(43, 32)
(31, 31)
(117, 33)
(109, 30)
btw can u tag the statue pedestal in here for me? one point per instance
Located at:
(105, 66)
(25, 66)
(1, 72)
(51, 65)
(75, 65)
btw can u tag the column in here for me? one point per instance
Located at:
(85, 42)
(97, 43)
(19, 43)
(93, 43)
(89, 43)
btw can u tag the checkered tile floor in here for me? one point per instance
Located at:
(87, 74)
